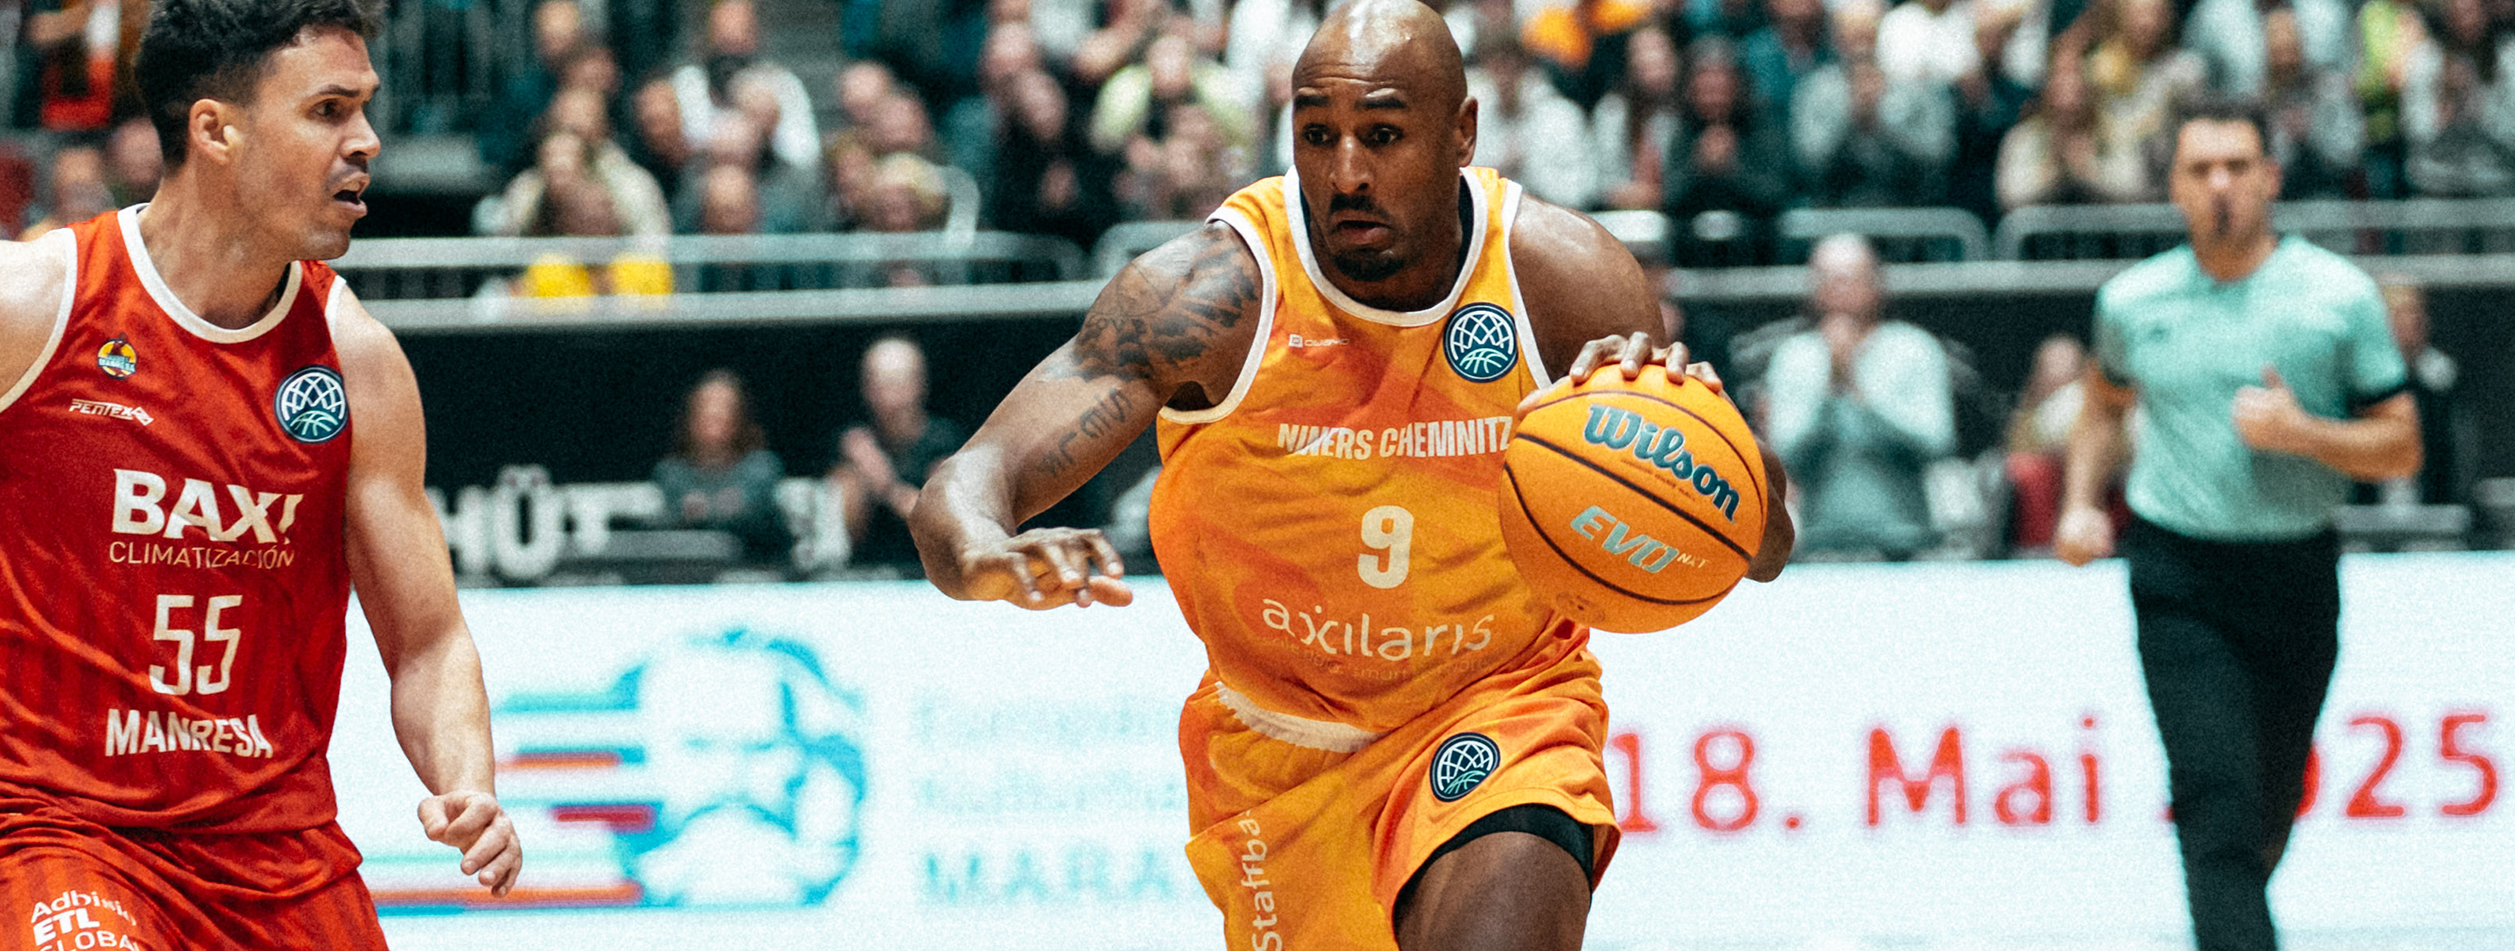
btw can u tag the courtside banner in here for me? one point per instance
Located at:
(1888, 756)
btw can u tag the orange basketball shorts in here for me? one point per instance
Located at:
(73, 886)
(1306, 848)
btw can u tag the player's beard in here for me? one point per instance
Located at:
(1368, 266)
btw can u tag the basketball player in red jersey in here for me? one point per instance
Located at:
(205, 442)
(1396, 745)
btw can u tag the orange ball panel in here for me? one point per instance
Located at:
(1632, 506)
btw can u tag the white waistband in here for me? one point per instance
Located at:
(1326, 735)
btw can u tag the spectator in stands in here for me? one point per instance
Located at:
(2140, 80)
(1523, 126)
(2390, 34)
(2232, 38)
(789, 199)
(1633, 125)
(660, 144)
(931, 44)
(721, 474)
(2039, 436)
(79, 190)
(1173, 121)
(566, 196)
(504, 133)
(133, 160)
(2447, 430)
(1927, 41)
(2061, 153)
(83, 51)
(732, 53)
(1130, 28)
(862, 87)
(1858, 408)
(1134, 106)
(1989, 102)
(577, 145)
(1049, 180)
(907, 194)
(884, 460)
(729, 200)
(2458, 107)
(1727, 19)
(1726, 174)
(2317, 132)
(1267, 36)
(1864, 138)
(644, 35)
(1584, 45)
(968, 129)
(1793, 45)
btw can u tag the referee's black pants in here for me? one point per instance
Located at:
(2237, 642)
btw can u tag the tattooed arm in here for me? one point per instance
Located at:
(1173, 328)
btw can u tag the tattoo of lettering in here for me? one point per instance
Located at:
(1105, 417)
(1167, 309)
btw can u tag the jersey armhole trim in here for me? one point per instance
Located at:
(60, 319)
(1249, 237)
(1530, 356)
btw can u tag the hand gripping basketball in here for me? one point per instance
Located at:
(1632, 503)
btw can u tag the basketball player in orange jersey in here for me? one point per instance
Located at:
(1396, 745)
(205, 442)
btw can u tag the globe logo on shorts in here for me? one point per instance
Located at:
(312, 405)
(1482, 342)
(1462, 764)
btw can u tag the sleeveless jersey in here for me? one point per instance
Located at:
(1329, 528)
(174, 580)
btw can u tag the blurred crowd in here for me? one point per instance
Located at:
(1063, 117)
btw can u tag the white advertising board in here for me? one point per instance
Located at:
(1893, 756)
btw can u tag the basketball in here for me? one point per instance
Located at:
(1632, 505)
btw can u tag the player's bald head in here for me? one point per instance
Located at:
(1397, 45)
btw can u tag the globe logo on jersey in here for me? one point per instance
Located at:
(1482, 342)
(117, 359)
(312, 405)
(1461, 764)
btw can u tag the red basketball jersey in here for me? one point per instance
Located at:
(173, 574)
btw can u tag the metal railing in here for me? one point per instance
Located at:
(387, 269)
(1902, 235)
(2410, 227)
(442, 283)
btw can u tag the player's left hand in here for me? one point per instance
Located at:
(2268, 416)
(1631, 353)
(474, 823)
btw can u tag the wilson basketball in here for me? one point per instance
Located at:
(1632, 505)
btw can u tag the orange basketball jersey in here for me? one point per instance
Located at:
(1329, 528)
(173, 592)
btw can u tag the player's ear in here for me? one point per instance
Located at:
(211, 127)
(1466, 123)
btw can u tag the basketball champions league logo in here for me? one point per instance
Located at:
(1481, 342)
(311, 404)
(1461, 765)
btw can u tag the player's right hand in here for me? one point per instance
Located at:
(474, 823)
(1045, 568)
(2084, 535)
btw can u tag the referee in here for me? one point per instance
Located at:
(2267, 380)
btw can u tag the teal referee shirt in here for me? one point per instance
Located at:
(2186, 342)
